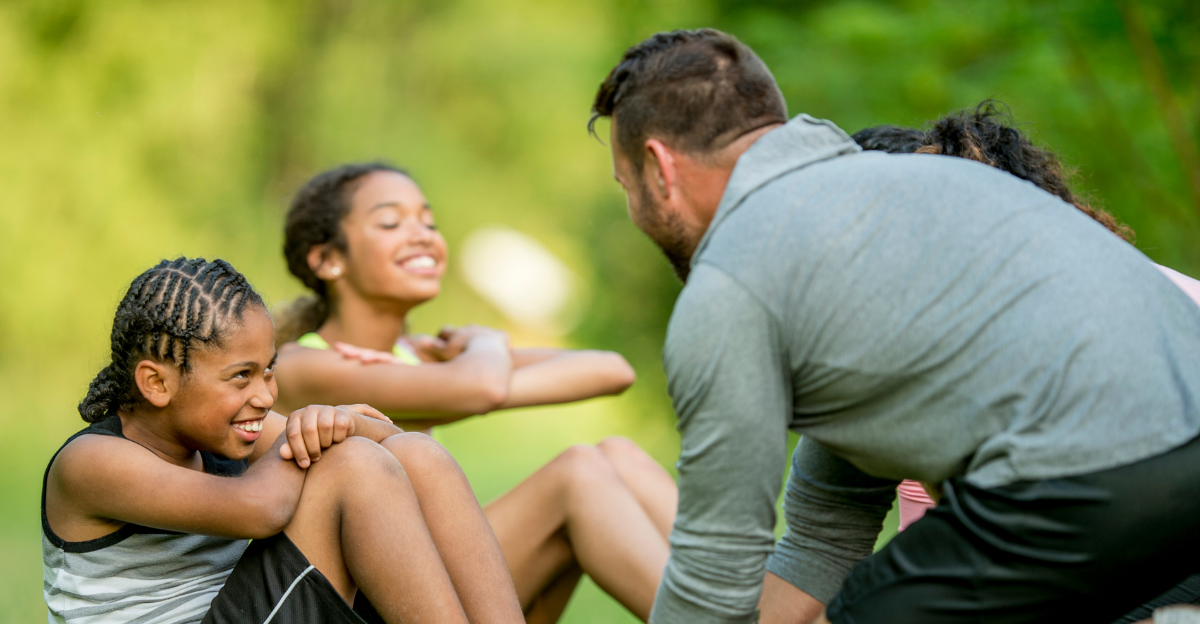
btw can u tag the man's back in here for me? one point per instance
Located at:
(915, 317)
(928, 297)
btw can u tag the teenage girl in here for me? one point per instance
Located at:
(985, 135)
(147, 513)
(362, 238)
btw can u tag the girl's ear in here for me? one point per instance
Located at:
(324, 263)
(157, 382)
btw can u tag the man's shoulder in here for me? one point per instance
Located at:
(714, 302)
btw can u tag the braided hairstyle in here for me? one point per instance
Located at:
(315, 218)
(987, 135)
(170, 310)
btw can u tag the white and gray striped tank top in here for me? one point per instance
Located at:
(137, 574)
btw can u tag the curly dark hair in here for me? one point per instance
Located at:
(315, 218)
(988, 135)
(169, 310)
(698, 89)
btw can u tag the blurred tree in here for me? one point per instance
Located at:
(131, 130)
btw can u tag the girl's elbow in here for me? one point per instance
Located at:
(491, 395)
(273, 514)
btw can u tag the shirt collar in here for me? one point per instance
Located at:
(800, 142)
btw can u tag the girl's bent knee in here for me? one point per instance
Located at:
(417, 452)
(619, 445)
(584, 463)
(356, 455)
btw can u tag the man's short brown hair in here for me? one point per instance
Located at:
(698, 90)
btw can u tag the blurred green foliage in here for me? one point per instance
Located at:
(132, 130)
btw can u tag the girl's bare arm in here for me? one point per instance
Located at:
(99, 482)
(548, 376)
(475, 382)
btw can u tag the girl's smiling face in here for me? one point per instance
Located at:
(394, 250)
(221, 402)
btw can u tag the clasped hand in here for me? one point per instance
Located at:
(310, 429)
(447, 345)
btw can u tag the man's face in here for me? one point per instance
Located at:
(662, 224)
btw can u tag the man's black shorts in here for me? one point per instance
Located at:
(273, 583)
(1080, 549)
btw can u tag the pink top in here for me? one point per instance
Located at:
(913, 500)
(1188, 285)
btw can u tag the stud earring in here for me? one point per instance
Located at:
(336, 271)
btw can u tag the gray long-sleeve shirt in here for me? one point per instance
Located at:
(913, 316)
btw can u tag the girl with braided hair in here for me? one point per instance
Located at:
(987, 135)
(147, 513)
(362, 238)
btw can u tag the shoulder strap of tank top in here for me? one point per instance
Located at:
(313, 340)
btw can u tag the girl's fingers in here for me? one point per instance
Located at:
(295, 440)
(350, 352)
(339, 429)
(366, 410)
(311, 438)
(326, 421)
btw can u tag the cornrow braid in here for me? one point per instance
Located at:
(169, 310)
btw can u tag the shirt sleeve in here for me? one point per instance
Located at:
(834, 513)
(730, 386)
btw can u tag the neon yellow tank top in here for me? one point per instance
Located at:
(313, 340)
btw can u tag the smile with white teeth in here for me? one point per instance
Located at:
(249, 426)
(419, 262)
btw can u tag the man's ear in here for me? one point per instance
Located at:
(157, 382)
(660, 169)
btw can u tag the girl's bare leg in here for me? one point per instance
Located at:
(577, 509)
(458, 528)
(359, 523)
(653, 487)
(549, 606)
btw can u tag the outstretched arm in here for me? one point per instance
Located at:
(476, 382)
(548, 376)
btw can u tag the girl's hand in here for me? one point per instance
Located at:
(428, 348)
(317, 427)
(458, 338)
(364, 355)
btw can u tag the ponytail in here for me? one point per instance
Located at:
(105, 394)
(305, 314)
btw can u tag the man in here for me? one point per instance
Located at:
(915, 317)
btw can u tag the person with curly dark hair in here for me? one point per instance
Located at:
(148, 513)
(988, 134)
(912, 316)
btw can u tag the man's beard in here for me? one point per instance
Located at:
(667, 231)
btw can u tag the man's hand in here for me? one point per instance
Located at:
(316, 427)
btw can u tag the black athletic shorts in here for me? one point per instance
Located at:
(1084, 549)
(273, 583)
